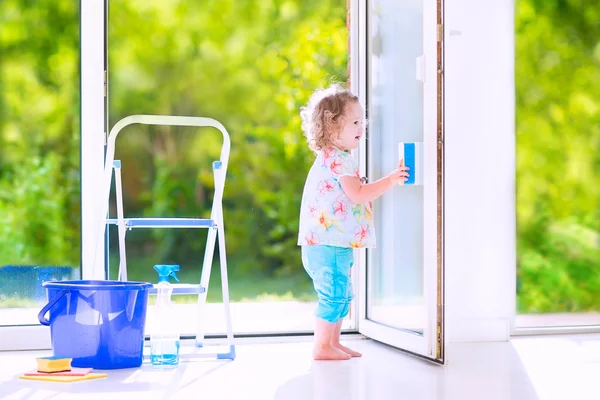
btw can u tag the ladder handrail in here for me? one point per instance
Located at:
(165, 120)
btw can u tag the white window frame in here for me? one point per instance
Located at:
(94, 91)
(358, 85)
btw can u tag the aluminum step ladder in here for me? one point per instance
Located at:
(214, 225)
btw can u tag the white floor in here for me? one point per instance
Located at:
(550, 367)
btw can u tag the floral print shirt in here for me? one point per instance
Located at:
(327, 216)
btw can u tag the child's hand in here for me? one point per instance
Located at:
(399, 174)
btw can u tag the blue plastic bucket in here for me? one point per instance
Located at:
(99, 324)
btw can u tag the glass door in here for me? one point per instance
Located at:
(401, 280)
(162, 60)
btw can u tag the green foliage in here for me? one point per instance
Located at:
(39, 133)
(558, 137)
(38, 227)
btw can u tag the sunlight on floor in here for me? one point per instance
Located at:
(522, 369)
(552, 361)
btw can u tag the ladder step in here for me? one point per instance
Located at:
(164, 222)
(181, 288)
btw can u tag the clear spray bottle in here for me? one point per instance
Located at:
(164, 338)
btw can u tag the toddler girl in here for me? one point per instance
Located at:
(336, 214)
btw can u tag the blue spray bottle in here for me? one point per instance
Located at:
(164, 338)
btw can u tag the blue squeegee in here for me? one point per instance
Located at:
(412, 153)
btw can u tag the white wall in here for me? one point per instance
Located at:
(480, 169)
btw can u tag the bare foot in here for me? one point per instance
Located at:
(329, 353)
(347, 350)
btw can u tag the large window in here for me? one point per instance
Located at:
(249, 65)
(558, 163)
(40, 202)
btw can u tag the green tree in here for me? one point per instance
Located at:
(558, 137)
(39, 133)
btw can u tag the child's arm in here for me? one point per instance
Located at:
(360, 194)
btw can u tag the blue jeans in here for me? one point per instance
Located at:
(329, 268)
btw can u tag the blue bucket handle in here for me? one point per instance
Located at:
(42, 314)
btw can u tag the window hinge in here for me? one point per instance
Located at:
(105, 82)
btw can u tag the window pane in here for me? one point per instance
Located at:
(39, 153)
(558, 164)
(249, 65)
(395, 291)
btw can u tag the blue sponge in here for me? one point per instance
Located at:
(412, 153)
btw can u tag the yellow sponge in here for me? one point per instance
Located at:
(53, 364)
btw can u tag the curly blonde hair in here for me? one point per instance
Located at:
(323, 116)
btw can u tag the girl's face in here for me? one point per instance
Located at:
(353, 127)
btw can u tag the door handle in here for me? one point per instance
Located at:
(421, 68)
